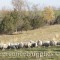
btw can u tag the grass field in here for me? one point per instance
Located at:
(43, 33)
(49, 50)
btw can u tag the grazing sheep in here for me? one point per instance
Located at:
(16, 45)
(53, 43)
(5, 46)
(46, 43)
(20, 45)
(11, 46)
(1, 46)
(34, 44)
(58, 43)
(39, 43)
(27, 44)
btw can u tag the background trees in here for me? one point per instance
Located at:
(36, 19)
(6, 25)
(48, 15)
(25, 17)
(18, 4)
(57, 21)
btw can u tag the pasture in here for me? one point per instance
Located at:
(44, 33)
(9, 54)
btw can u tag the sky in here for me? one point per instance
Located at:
(43, 3)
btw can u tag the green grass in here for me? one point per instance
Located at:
(30, 50)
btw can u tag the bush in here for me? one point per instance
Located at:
(6, 25)
(57, 21)
(26, 25)
(13, 22)
(37, 22)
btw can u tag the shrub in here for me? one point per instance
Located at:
(26, 25)
(6, 25)
(57, 21)
(37, 22)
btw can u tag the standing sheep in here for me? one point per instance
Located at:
(39, 43)
(53, 43)
(11, 46)
(46, 43)
(34, 44)
(58, 43)
(20, 45)
(1, 46)
(5, 46)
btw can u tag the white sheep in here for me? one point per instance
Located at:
(39, 43)
(29, 44)
(53, 43)
(21, 45)
(46, 43)
(34, 44)
(5, 46)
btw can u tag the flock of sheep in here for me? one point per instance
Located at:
(30, 44)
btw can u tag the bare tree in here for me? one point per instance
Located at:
(18, 4)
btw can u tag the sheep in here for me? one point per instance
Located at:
(30, 44)
(5, 46)
(11, 46)
(58, 43)
(20, 45)
(34, 44)
(46, 43)
(1, 46)
(39, 43)
(16, 45)
(53, 43)
(27, 44)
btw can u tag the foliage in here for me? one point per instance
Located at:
(15, 16)
(48, 14)
(6, 25)
(57, 21)
(10, 22)
(26, 26)
(18, 4)
(37, 22)
(21, 19)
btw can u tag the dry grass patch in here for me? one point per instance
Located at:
(44, 33)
